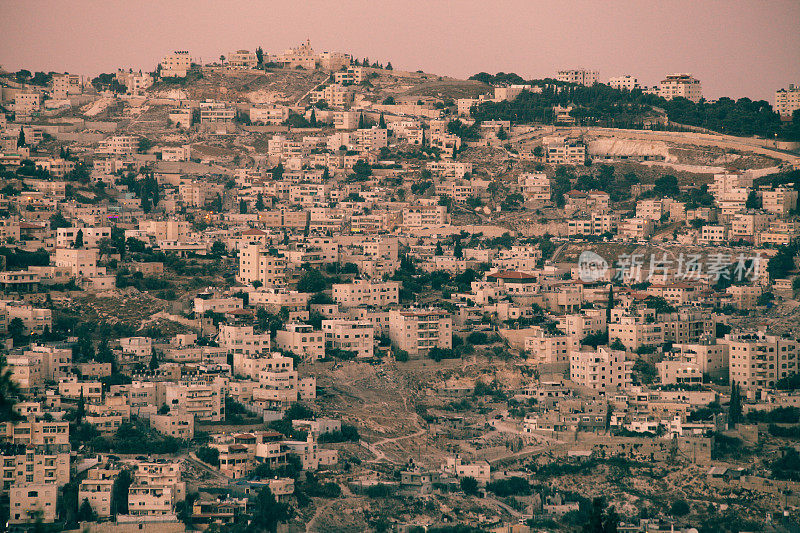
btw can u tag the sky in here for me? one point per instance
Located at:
(735, 47)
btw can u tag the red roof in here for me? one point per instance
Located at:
(253, 231)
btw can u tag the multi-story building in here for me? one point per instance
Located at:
(353, 75)
(176, 65)
(787, 101)
(32, 502)
(367, 292)
(243, 340)
(679, 371)
(39, 464)
(635, 331)
(780, 200)
(66, 85)
(601, 369)
(119, 145)
(636, 229)
(543, 347)
(350, 335)
(259, 264)
(97, 487)
(579, 76)
(65, 237)
(269, 113)
(244, 59)
(564, 151)
(212, 112)
(625, 83)
(757, 360)
(425, 215)
(302, 340)
(205, 401)
(680, 85)
(416, 331)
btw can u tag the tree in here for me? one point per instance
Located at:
(269, 512)
(80, 412)
(501, 134)
(752, 201)
(458, 251)
(21, 138)
(260, 202)
(735, 407)
(679, 508)
(221, 59)
(382, 122)
(16, 328)
(78, 239)
(119, 493)
(57, 221)
(469, 485)
(8, 388)
(260, 55)
(601, 520)
(154, 360)
(313, 119)
(389, 66)
(86, 513)
(242, 207)
(361, 124)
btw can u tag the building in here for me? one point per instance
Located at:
(96, 488)
(65, 237)
(425, 216)
(624, 83)
(175, 65)
(259, 264)
(479, 470)
(417, 331)
(302, 340)
(677, 371)
(31, 502)
(602, 369)
(579, 76)
(367, 292)
(178, 425)
(564, 151)
(350, 335)
(204, 401)
(680, 86)
(780, 200)
(757, 360)
(787, 101)
(241, 59)
(66, 85)
(547, 348)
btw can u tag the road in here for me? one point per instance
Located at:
(379, 455)
(192, 458)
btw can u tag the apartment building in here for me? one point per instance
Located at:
(135, 82)
(458, 467)
(38, 464)
(636, 229)
(757, 360)
(302, 340)
(178, 425)
(156, 488)
(579, 76)
(578, 326)
(425, 216)
(204, 401)
(334, 95)
(260, 264)
(175, 65)
(373, 138)
(37, 432)
(711, 359)
(416, 331)
(601, 369)
(278, 384)
(546, 348)
(241, 59)
(243, 340)
(787, 101)
(65, 237)
(780, 200)
(680, 85)
(32, 502)
(346, 120)
(119, 145)
(27, 103)
(269, 114)
(564, 151)
(596, 224)
(367, 292)
(679, 372)
(634, 332)
(534, 186)
(350, 335)
(66, 85)
(34, 319)
(450, 169)
(353, 75)
(212, 112)
(624, 83)
(97, 487)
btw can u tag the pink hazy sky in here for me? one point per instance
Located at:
(735, 47)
